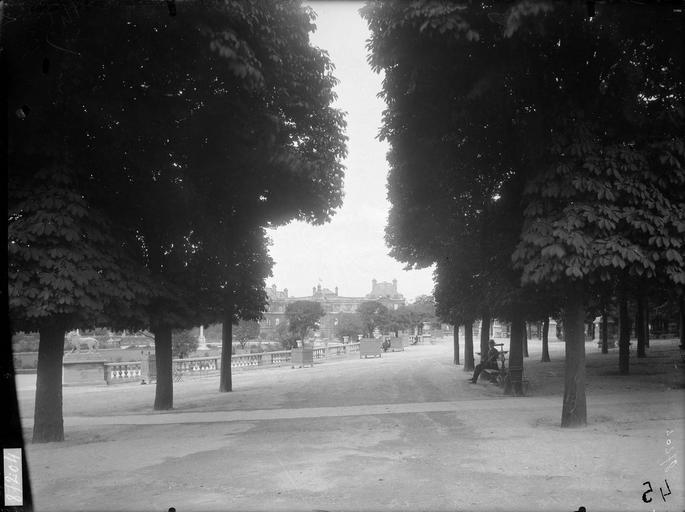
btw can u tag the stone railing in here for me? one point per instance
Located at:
(132, 371)
(116, 373)
(277, 358)
(196, 365)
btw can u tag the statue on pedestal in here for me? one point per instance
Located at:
(77, 341)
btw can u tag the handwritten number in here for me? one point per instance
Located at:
(644, 496)
(663, 496)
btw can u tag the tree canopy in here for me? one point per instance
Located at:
(187, 134)
(373, 315)
(532, 144)
(303, 316)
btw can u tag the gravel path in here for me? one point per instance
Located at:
(403, 432)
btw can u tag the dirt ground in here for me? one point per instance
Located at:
(403, 432)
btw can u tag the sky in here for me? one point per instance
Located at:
(349, 251)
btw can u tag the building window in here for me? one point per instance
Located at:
(278, 321)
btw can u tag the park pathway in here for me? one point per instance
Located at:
(403, 432)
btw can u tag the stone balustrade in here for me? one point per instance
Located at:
(278, 358)
(116, 373)
(196, 365)
(131, 371)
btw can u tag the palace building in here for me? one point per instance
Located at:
(333, 304)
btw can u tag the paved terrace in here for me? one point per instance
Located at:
(404, 432)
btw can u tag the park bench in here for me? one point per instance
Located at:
(511, 378)
(497, 376)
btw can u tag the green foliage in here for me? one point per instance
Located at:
(183, 343)
(303, 316)
(245, 331)
(610, 201)
(421, 311)
(63, 260)
(25, 342)
(374, 315)
(285, 337)
(349, 324)
(183, 137)
(531, 144)
(178, 91)
(569, 127)
(608, 223)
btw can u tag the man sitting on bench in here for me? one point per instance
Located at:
(490, 362)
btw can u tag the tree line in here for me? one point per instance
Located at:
(148, 152)
(537, 160)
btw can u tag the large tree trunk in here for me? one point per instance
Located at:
(456, 345)
(640, 325)
(226, 378)
(574, 411)
(646, 320)
(681, 304)
(469, 365)
(623, 337)
(48, 423)
(605, 330)
(545, 341)
(524, 338)
(164, 388)
(515, 356)
(485, 335)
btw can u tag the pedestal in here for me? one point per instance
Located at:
(148, 368)
(370, 347)
(302, 356)
(83, 369)
(396, 344)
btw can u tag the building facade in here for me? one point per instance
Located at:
(333, 304)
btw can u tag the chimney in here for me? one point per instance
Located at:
(285, 291)
(394, 285)
(373, 285)
(336, 291)
(313, 290)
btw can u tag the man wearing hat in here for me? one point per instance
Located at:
(490, 362)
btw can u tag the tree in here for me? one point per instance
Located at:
(286, 338)
(183, 343)
(245, 331)
(65, 271)
(239, 73)
(545, 341)
(374, 315)
(553, 129)
(349, 324)
(303, 316)
(610, 204)
(422, 311)
(454, 150)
